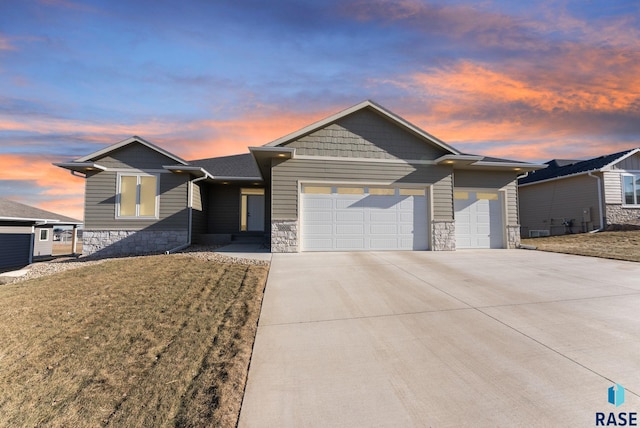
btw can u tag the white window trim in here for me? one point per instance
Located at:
(635, 174)
(40, 235)
(157, 201)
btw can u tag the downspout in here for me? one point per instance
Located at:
(190, 222)
(600, 204)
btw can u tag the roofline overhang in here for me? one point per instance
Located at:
(457, 160)
(477, 162)
(82, 167)
(41, 221)
(362, 105)
(264, 154)
(192, 170)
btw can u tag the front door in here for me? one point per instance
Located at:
(255, 213)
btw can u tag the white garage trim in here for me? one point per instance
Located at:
(480, 217)
(354, 216)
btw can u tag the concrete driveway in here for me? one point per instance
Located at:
(467, 338)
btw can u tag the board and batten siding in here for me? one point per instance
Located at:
(100, 204)
(287, 174)
(365, 134)
(543, 206)
(632, 163)
(492, 180)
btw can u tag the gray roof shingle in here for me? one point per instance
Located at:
(241, 166)
(11, 209)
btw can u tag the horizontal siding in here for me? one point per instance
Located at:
(137, 156)
(100, 204)
(287, 174)
(366, 134)
(543, 206)
(612, 187)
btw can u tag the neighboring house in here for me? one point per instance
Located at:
(571, 196)
(27, 232)
(362, 179)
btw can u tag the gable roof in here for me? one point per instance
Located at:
(132, 140)
(368, 104)
(240, 166)
(15, 211)
(563, 168)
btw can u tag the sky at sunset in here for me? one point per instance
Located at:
(530, 81)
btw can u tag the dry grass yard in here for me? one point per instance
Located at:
(148, 341)
(621, 245)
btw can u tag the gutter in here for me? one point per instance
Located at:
(600, 204)
(190, 224)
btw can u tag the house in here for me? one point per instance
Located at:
(361, 179)
(26, 233)
(571, 196)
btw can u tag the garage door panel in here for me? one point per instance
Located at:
(364, 221)
(478, 222)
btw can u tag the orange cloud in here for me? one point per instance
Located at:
(57, 187)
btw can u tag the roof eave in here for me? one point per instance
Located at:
(82, 167)
(123, 143)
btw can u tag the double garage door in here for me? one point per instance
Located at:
(360, 217)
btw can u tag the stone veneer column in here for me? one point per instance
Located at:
(284, 236)
(513, 237)
(444, 235)
(111, 243)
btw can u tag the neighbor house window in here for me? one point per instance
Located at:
(44, 234)
(631, 189)
(137, 196)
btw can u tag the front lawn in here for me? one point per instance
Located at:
(148, 341)
(622, 245)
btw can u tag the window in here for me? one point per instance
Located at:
(411, 192)
(631, 189)
(44, 234)
(137, 196)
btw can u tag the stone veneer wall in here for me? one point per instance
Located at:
(284, 236)
(111, 243)
(444, 235)
(513, 237)
(616, 214)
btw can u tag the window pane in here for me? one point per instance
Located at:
(128, 194)
(461, 195)
(318, 190)
(381, 191)
(148, 196)
(637, 201)
(412, 192)
(628, 189)
(487, 196)
(44, 234)
(351, 190)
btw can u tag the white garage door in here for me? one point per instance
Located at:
(349, 217)
(478, 219)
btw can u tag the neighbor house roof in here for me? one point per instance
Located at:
(15, 211)
(558, 168)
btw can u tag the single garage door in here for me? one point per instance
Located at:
(479, 221)
(15, 249)
(355, 217)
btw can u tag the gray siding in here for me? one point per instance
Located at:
(287, 174)
(492, 180)
(100, 204)
(631, 163)
(366, 134)
(199, 209)
(224, 209)
(136, 156)
(544, 206)
(43, 248)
